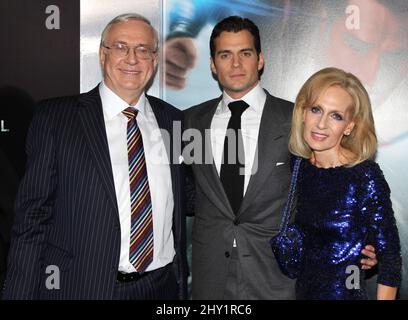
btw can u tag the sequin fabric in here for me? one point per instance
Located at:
(340, 210)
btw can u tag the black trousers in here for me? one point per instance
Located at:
(159, 284)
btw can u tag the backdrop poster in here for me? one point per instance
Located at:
(366, 37)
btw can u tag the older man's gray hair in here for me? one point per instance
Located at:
(126, 17)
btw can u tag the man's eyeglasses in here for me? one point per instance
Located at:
(121, 50)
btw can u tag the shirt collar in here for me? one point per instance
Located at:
(113, 105)
(254, 98)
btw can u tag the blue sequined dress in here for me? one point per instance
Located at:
(340, 210)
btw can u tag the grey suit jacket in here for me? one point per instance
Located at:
(215, 225)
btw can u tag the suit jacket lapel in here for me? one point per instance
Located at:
(214, 187)
(272, 128)
(93, 124)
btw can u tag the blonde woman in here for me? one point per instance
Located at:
(343, 199)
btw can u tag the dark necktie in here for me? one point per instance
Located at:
(141, 229)
(233, 163)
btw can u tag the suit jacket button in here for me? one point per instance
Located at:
(236, 221)
(227, 254)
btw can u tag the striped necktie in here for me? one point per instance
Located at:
(141, 230)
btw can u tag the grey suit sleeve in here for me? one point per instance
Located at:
(34, 207)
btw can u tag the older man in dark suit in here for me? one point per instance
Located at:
(100, 210)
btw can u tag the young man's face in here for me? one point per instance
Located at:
(236, 62)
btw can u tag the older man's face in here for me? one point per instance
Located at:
(128, 75)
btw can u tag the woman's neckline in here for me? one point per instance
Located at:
(335, 168)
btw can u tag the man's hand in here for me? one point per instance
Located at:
(180, 57)
(371, 261)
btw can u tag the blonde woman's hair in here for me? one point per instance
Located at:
(362, 141)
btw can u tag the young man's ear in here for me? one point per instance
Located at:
(261, 61)
(212, 65)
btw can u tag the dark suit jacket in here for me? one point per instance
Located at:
(66, 209)
(215, 224)
(8, 189)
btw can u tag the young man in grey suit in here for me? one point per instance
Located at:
(100, 210)
(242, 174)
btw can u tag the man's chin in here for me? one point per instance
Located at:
(241, 89)
(131, 86)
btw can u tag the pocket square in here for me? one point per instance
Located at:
(181, 159)
(279, 163)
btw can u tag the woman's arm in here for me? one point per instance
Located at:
(383, 232)
(386, 292)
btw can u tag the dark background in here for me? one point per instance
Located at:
(35, 63)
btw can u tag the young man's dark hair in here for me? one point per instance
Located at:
(235, 24)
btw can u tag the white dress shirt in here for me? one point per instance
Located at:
(250, 122)
(158, 172)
